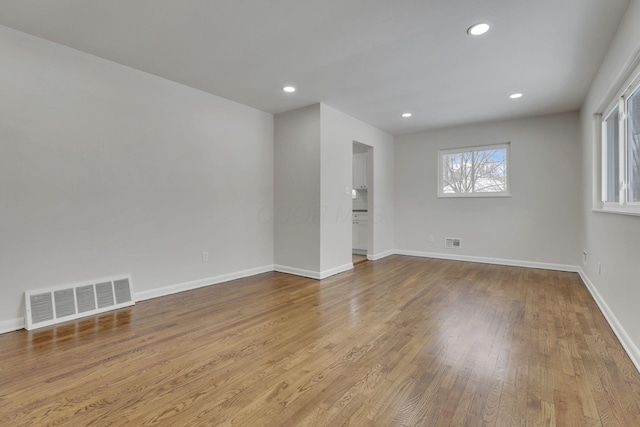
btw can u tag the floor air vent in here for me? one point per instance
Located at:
(452, 243)
(51, 306)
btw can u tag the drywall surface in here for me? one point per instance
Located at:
(297, 189)
(106, 170)
(610, 239)
(539, 223)
(313, 161)
(339, 131)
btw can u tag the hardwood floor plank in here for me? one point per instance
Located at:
(399, 341)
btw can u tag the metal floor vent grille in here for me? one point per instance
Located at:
(60, 304)
(452, 243)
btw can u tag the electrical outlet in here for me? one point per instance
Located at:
(584, 257)
(205, 256)
(599, 268)
(431, 239)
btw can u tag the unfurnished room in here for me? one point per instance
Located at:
(320, 213)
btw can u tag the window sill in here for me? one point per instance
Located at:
(472, 195)
(616, 211)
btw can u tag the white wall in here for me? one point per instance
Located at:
(610, 239)
(339, 131)
(539, 223)
(107, 170)
(297, 190)
(313, 161)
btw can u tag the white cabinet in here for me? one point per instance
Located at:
(360, 227)
(360, 231)
(363, 233)
(360, 171)
(355, 235)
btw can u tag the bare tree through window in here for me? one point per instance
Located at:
(474, 171)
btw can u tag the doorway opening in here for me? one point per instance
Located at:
(362, 202)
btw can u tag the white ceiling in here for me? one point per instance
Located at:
(372, 59)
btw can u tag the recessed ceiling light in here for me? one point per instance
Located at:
(406, 115)
(289, 89)
(478, 29)
(515, 95)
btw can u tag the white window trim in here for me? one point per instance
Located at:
(618, 103)
(507, 193)
(616, 211)
(622, 207)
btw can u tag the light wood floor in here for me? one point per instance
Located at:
(358, 259)
(400, 341)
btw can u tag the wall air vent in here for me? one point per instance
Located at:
(452, 243)
(50, 306)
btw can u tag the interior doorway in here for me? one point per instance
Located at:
(362, 202)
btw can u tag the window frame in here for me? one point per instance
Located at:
(446, 151)
(620, 102)
(605, 156)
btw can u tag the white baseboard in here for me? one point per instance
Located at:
(11, 325)
(484, 260)
(195, 284)
(380, 255)
(318, 275)
(18, 323)
(333, 271)
(297, 271)
(627, 343)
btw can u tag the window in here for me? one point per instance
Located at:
(621, 153)
(474, 172)
(633, 147)
(611, 134)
